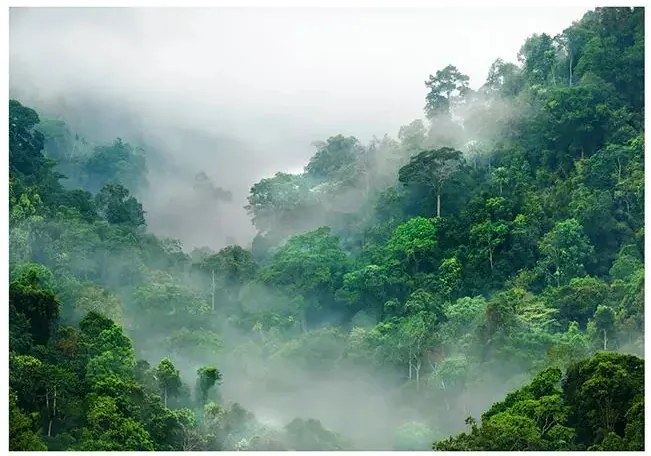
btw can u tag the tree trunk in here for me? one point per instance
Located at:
(571, 61)
(438, 203)
(410, 366)
(490, 258)
(605, 341)
(418, 375)
(213, 290)
(49, 428)
(165, 397)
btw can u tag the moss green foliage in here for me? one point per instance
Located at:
(496, 247)
(596, 406)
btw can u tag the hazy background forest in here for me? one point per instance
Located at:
(239, 251)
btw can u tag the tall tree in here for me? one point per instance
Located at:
(443, 86)
(432, 169)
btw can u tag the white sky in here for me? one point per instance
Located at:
(355, 70)
(271, 80)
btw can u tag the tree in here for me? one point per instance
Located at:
(504, 79)
(564, 249)
(168, 378)
(310, 264)
(39, 305)
(489, 235)
(118, 162)
(447, 82)
(432, 169)
(604, 324)
(118, 207)
(280, 203)
(533, 417)
(461, 318)
(600, 390)
(92, 298)
(334, 159)
(228, 269)
(25, 145)
(449, 277)
(538, 57)
(578, 300)
(414, 242)
(207, 378)
(110, 430)
(365, 288)
(415, 332)
(21, 434)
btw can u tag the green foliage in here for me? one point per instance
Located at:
(446, 84)
(414, 241)
(117, 162)
(115, 204)
(21, 434)
(38, 305)
(207, 378)
(535, 262)
(600, 391)
(431, 169)
(334, 159)
(312, 265)
(565, 250)
(587, 413)
(168, 378)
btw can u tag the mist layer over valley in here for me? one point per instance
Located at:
(226, 232)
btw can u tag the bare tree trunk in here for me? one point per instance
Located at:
(49, 428)
(410, 366)
(605, 341)
(418, 375)
(74, 147)
(571, 61)
(165, 397)
(490, 258)
(438, 203)
(213, 290)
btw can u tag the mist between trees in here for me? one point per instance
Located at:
(486, 263)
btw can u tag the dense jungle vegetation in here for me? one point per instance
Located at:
(486, 265)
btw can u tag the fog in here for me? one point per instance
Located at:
(221, 98)
(239, 94)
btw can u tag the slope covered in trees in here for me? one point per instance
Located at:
(395, 287)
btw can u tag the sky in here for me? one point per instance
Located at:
(241, 93)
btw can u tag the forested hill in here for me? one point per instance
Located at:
(394, 288)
